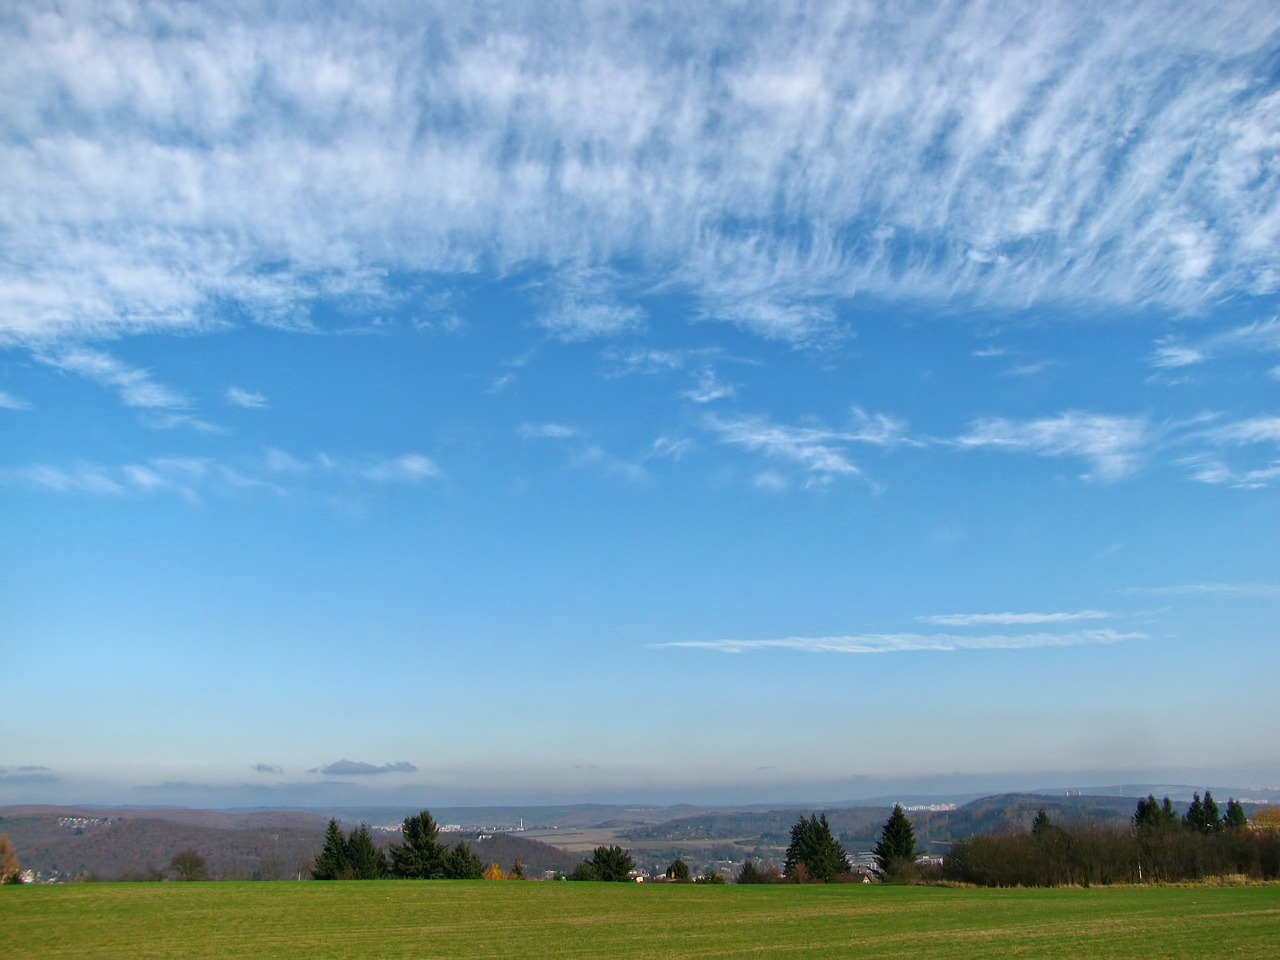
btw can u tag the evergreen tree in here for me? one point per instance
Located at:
(420, 856)
(679, 870)
(583, 871)
(816, 850)
(367, 862)
(1235, 818)
(462, 864)
(1202, 815)
(1040, 826)
(897, 844)
(333, 862)
(610, 863)
(1150, 815)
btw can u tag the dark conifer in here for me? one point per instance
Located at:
(366, 860)
(816, 850)
(420, 856)
(461, 864)
(333, 862)
(897, 844)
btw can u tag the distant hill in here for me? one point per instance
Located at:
(114, 843)
(131, 843)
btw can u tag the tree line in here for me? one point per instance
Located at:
(421, 855)
(816, 856)
(1158, 847)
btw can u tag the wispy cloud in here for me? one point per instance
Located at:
(1010, 619)
(267, 768)
(1253, 591)
(822, 452)
(817, 450)
(239, 397)
(1112, 445)
(547, 431)
(193, 478)
(911, 642)
(135, 386)
(9, 402)
(358, 768)
(409, 468)
(709, 388)
(584, 454)
(1237, 441)
(163, 161)
(587, 307)
(1260, 337)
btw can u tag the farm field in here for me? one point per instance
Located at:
(394, 919)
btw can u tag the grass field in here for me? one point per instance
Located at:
(477, 919)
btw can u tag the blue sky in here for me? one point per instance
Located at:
(416, 403)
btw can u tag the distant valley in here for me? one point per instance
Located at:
(71, 842)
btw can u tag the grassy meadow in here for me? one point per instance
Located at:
(389, 919)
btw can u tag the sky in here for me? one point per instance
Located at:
(437, 403)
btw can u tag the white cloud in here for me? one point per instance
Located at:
(1254, 430)
(80, 479)
(709, 388)
(587, 307)
(9, 402)
(135, 386)
(239, 397)
(912, 642)
(671, 448)
(547, 431)
(821, 452)
(1260, 337)
(410, 468)
(817, 450)
(1010, 619)
(1112, 445)
(193, 477)
(161, 161)
(1235, 440)
(1263, 591)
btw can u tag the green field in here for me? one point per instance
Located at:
(479, 919)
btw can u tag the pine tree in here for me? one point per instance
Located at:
(461, 864)
(897, 844)
(679, 870)
(367, 862)
(1235, 818)
(1040, 826)
(420, 856)
(610, 863)
(1202, 815)
(816, 850)
(1150, 815)
(333, 862)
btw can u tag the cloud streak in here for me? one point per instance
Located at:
(358, 768)
(1112, 445)
(192, 478)
(911, 642)
(1010, 619)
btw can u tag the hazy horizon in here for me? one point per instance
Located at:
(651, 400)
